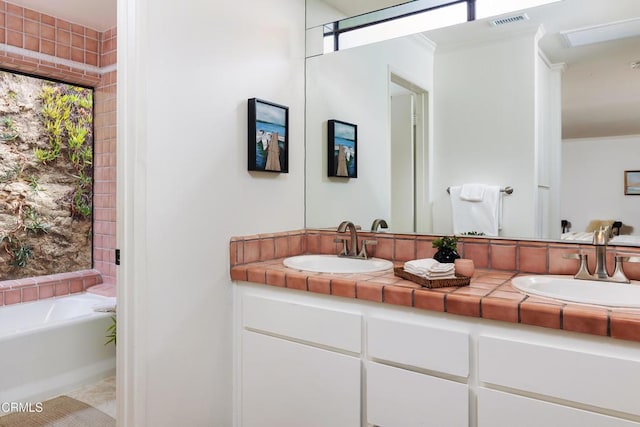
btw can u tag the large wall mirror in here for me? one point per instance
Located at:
(547, 104)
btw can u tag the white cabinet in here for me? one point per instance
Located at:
(419, 346)
(415, 395)
(602, 379)
(401, 398)
(290, 384)
(499, 409)
(299, 364)
(312, 360)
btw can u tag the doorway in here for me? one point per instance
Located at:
(408, 107)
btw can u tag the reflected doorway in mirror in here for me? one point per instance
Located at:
(342, 149)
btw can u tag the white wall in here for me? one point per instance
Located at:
(484, 114)
(593, 181)
(549, 152)
(320, 13)
(186, 70)
(363, 74)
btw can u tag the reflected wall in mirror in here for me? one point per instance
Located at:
(513, 105)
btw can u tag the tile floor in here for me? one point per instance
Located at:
(100, 395)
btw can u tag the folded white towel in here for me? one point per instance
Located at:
(430, 268)
(480, 217)
(105, 309)
(472, 192)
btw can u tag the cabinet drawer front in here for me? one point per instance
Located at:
(498, 409)
(593, 379)
(286, 384)
(419, 345)
(401, 398)
(303, 322)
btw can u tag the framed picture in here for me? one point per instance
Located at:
(268, 136)
(632, 183)
(342, 153)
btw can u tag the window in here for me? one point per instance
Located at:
(46, 176)
(414, 17)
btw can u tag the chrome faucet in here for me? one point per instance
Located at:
(351, 249)
(381, 223)
(600, 240)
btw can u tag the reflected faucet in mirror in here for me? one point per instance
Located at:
(378, 223)
(350, 245)
(600, 240)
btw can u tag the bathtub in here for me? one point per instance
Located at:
(51, 346)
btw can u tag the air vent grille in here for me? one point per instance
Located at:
(509, 20)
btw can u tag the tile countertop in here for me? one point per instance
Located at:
(490, 296)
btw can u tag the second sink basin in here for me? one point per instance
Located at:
(567, 288)
(336, 264)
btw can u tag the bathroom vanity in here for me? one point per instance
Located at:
(356, 350)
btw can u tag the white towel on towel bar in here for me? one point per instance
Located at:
(480, 217)
(473, 192)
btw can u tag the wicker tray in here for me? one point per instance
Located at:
(432, 283)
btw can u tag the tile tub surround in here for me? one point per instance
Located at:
(46, 46)
(258, 259)
(55, 285)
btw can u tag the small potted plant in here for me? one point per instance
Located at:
(447, 249)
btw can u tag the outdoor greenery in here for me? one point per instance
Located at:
(62, 146)
(67, 120)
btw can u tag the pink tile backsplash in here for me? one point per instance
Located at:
(498, 255)
(33, 288)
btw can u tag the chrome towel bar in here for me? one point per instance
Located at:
(507, 190)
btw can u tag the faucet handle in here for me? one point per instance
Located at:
(618, 273)
(583, 270)
(363, 251)
(345, 250)
(627, 258)
(577, 256)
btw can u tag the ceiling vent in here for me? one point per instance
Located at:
(509, 20)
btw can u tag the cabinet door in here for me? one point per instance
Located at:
(289, 384)
(590, 378)
(419, 346)
(401, 398)
(499, 409)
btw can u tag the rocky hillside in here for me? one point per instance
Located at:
(45, 177)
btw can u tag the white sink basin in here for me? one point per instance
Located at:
(567, 288)
(336, 264)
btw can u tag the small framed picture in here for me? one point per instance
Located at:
(268, 136)
(342, 153)
(632, 183)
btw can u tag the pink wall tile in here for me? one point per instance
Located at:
(503, 257)
(29, 294)
(33, 31)
(251, 251)
(313, 243)
(532, 259)
(405, 249)
(560, 265)
(282, 246)
(267, 249)
(12, 296)
(478, 252)
(385, 247)
(424, 248)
